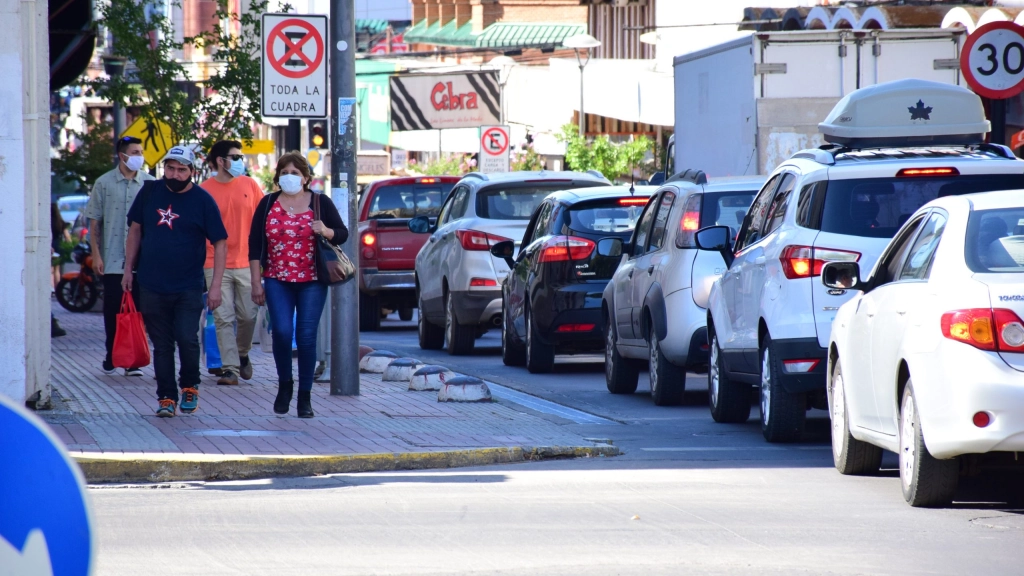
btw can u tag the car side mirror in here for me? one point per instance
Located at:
(716, 239)
(611, 247)
(842, 276)
(420, 225)
(505, 250)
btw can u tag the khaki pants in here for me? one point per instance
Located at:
(236, 306)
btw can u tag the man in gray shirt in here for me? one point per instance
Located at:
(112, 195)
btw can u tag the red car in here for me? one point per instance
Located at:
(387, 249)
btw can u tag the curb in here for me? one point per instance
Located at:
(136, 468)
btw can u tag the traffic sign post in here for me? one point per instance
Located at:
(45, 519)
(494, 149)
(992, 62)
(294, 66)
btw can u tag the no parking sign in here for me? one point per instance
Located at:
(494, 149)
(45, 521)
(294, 69)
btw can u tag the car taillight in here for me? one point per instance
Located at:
(476, 240)
(575, 328)
(369, 239)
(633, 201)
(482, 282)
(807, 261)
(986, 329)
(690, 222)
(926, 172)
(565, 248)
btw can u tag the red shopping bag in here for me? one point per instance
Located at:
(131, 349)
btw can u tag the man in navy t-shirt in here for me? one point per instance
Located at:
(171, 220)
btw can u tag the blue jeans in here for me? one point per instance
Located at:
(305, 302)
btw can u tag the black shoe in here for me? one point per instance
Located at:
(227, 378)
(55, 330)
(284, 397)
(305, 409)
(245, 368)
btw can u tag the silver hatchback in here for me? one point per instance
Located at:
(655, 307)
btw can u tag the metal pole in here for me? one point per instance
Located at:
(293, 135)
(344, 298)
(582, 120)
(997, 110)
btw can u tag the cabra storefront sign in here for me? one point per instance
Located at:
(437, 101)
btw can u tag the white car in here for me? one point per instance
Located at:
(458, 281)
(896, 147)
(927, 358)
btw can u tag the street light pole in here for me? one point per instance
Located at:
(345, 297)
(579, 43)
(583, 65)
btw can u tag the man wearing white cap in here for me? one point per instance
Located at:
(171, 220)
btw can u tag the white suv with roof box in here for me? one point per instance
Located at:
(895, 147)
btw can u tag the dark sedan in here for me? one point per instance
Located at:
(551, 299)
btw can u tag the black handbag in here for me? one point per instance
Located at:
(333, 267)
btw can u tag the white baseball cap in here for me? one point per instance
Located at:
(182, 154)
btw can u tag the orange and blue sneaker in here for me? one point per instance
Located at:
(189, 400)
(166, 409)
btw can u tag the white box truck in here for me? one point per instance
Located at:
(744, 106)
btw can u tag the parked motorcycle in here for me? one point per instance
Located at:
(79, 291)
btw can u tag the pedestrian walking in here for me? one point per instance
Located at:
(58, 235)
(282, 241)
(171, 222)
(237, 196)
(112, 195)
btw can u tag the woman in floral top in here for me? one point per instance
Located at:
(282, 242)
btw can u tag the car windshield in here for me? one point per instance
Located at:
(995, 240)
(877, 207)
(513, 203)
(726, 209)
(407, 201)
(605, 217)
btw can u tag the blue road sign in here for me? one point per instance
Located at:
(45, 520)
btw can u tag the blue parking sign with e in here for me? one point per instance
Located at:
(45, 521)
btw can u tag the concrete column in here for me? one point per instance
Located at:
(24, 203)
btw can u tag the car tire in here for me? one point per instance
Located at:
(668, 381)
(620, 374)
(783, 415)
(405, 314)
(851, 456)
(512, 354)
(431, 336)
(459, 339)
(540, 357)
(729, 400)
(926, 481)
(369, 313)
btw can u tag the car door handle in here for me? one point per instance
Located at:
(650, 269)
(631, 273)
(759, 260)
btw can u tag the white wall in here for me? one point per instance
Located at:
(384, 9)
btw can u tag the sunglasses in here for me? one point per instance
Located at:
(235, 156)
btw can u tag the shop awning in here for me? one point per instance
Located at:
(511, 34)
(629, 90)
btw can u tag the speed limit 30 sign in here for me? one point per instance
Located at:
(992, 60)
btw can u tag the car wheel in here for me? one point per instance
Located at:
(782, 414)
(620, 374)
(512, 354)
(458, 338)
(540, 357)
(926, 481)
(369, 313)
(729, 400)
(431, 336)
(76, 296)
(851, 456)
(405, 314)
(668, 381)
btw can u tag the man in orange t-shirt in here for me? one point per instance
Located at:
(237, 196)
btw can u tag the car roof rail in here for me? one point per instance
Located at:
(998, 150)
(479, 175)
(689, 175)
(596, 173)
(824, 155)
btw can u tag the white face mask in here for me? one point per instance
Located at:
(290, 183)
(134, 163)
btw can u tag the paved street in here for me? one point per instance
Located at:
(687, 496)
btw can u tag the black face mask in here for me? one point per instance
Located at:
(176, 185)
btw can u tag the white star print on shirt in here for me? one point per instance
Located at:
(166, 217)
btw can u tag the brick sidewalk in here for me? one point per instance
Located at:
(98, 414)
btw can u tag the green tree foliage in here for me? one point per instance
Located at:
(93, 158)
(155, 79)
(616, 160)
(451, 165)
